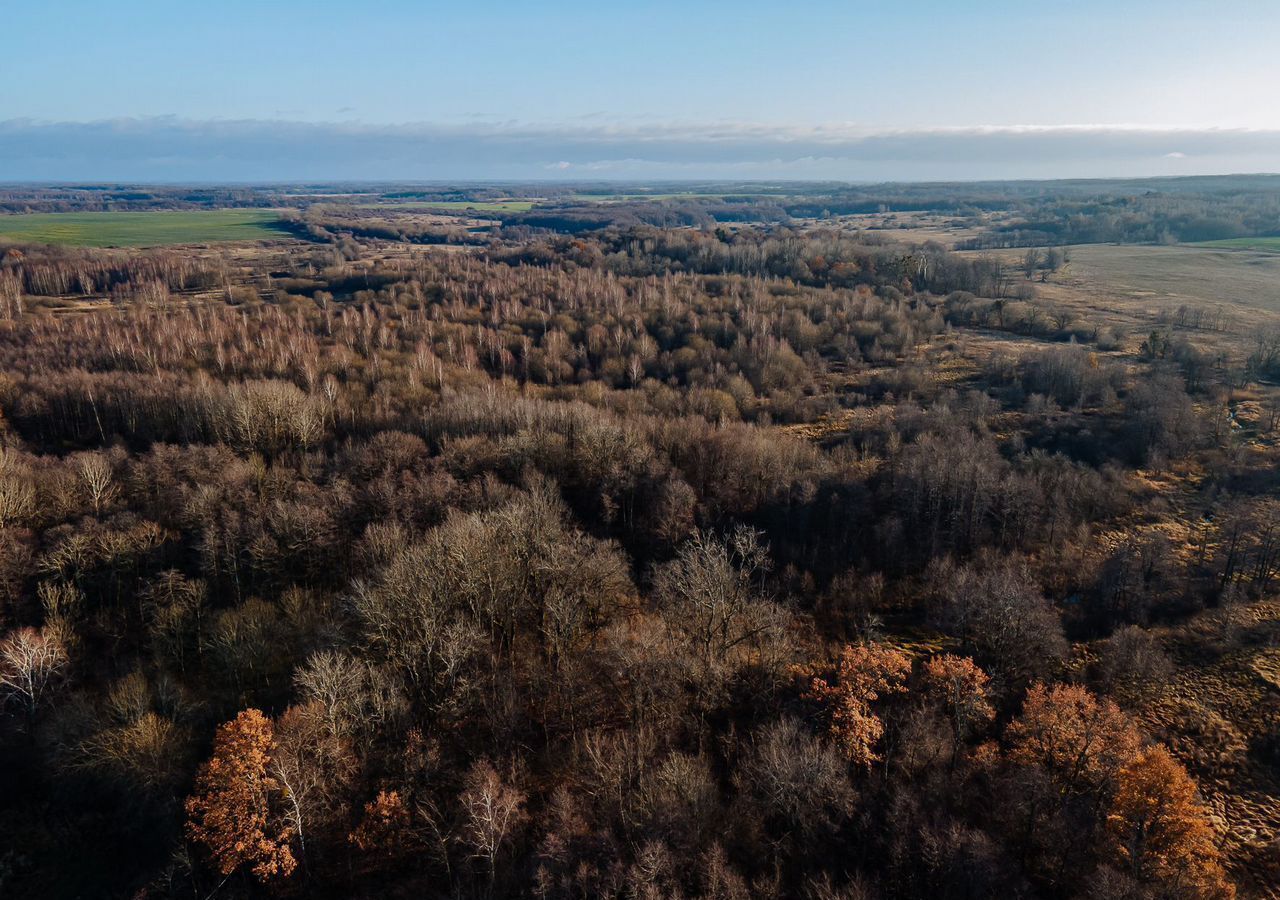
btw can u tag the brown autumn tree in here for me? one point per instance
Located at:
(230, 812)
(1081, 740)
(846, 691)
(960, 688)
(1160, 831)
(383, 830)
(1066, 749)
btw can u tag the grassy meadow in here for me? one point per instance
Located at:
(1266, 244)
(141, 229)
(1190, 273)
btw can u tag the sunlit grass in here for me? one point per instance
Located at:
(141, 229)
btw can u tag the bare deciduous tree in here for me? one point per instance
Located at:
(712, 594)
(493, 811)
(30, 663)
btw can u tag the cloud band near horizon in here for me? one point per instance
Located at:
(179, 150)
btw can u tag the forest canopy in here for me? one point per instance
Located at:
(618, 552)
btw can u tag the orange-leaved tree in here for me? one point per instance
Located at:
(846, 691)
(959, 686)
(231, 811)
(1081, 740)
(385, 825)
(1160, 830)
(1067, 748)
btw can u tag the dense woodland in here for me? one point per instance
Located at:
(648, 562)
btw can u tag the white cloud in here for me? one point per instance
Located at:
(174, 149)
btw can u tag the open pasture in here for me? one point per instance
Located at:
(142, 229)
(1260, 244)
(1167, 277)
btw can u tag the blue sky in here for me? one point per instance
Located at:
(398, 89)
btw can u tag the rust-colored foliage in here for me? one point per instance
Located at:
(230, 811)
(960, 686)
(1081, 740)
(1160, 830)
(847, 690)
(385, 822)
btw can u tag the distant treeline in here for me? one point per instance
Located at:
(329, 226)
(1149, 218)
(572, 218)
(1010, 214)
(126, 198)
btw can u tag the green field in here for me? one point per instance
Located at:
(1253, 243)
(141, 229)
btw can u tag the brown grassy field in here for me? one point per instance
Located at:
(1218, 714)
(1169, 276)
(914, 227)
(1137, 288)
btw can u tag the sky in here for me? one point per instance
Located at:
(497, 89)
